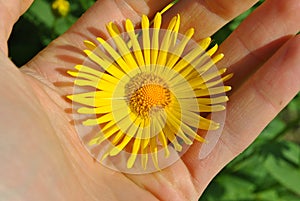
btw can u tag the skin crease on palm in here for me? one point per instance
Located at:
(40, 153)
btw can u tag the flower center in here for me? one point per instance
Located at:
(149, 97)
(147, 93)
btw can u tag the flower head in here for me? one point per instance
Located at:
(148, 91)
(61, 7)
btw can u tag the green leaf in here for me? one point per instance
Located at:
(285, 173)
(289, 196)
(271, 131)
(267, 195)
(238, 20)
(62, 24)
(86, 4)
(236, 188)
(292, 153)
(40, 13)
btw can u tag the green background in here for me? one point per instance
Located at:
(268, 170)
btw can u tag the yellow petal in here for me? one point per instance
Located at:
(178, 49)
(202, 67)
(109, 67)
(106, 153)
(109, 131)
(196, 121)
(175, 31)
(204, 43)
(116, 56)
(159, 124)
(112, 29)
(100, 84)
(146, 135)
(93, 47)
(188, 104)
(99, 138)
(95, 99)
(144, 155)
(203, 64)
(212, 50)
(167, 7)
(174, 124)
(135, 44)
(154, 149)
(118, 137)
(123, 119)
(100, 120)
(196, 82)
(212, 100)
(171, 137)
(166, 43)
(190, 132)
(121, 45)
(203, 92)
(187, 59)
(145, 22)
(90, 45)
(97, 110)
(157, 21)
(164, 142)
(89, 70)
(133, 155)
(136, 147)
(104, 135)
(116, 150)
(83, 75)
(92, 75)
(217, 82)
(146, 39)
(155, 38)
(131, 132)
(108, 126)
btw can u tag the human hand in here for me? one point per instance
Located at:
(41, 155)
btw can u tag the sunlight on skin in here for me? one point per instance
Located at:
(42, 156)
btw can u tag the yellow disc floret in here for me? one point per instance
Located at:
(149, 97)
(147, 92)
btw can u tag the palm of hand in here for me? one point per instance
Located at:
(50, 146)
(43, 148)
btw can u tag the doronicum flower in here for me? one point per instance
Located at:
(148, 91)
(61, 7)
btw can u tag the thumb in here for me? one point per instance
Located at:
(10, 11)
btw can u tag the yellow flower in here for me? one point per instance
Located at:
(149, 90)
(61, 7)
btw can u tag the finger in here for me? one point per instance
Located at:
(10, 11)
(207, 16)
(249, 110)
(117, 11)
(258, 37)
(67, 49)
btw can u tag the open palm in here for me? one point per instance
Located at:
(41, 155)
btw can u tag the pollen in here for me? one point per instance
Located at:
(147, 93)
(149, 97)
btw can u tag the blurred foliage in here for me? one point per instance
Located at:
(269, 170)
(39, 26)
